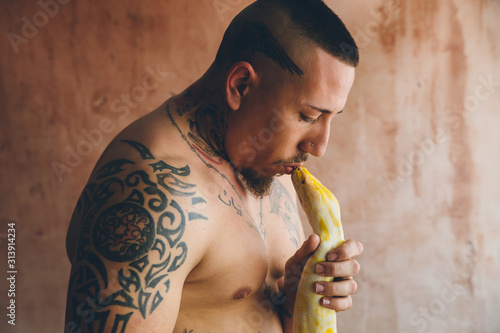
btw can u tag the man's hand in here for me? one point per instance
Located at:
(341, 265)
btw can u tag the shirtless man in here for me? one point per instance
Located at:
(184, 225)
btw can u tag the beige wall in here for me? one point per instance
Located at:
(413, 160)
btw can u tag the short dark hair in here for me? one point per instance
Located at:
(312, 18)
(321, 25)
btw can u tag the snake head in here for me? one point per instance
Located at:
(309, 188)
(305, 185)
(316, 200)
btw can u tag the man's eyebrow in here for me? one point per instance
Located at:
(324, 110)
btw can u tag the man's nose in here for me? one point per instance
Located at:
(316, 143)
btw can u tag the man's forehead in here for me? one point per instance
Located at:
(327, 81)
(340, 73)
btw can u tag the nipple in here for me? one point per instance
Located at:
(242, 293)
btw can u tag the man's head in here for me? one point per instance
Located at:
(268, 26)
(289, 66)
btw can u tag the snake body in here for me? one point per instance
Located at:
(323, 212)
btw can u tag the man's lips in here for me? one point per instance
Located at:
(290, 167)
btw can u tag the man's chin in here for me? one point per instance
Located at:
(258, 185)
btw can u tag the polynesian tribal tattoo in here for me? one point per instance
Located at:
(143, 232)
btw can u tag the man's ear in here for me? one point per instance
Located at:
(239, 78)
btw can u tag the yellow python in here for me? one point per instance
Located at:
(323, 212)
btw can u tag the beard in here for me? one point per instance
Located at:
(260, 186)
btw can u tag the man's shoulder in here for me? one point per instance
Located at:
(135, 234)
(139, 170)
(148, 138)
(131, 179)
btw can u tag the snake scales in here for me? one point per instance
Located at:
(323, 212)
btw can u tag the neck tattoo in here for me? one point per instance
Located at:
(207, 125)
(257, 226)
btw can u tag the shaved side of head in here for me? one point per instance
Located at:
(282, 31)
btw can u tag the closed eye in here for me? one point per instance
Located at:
(308, 119)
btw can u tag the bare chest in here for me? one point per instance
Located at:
(251, 247)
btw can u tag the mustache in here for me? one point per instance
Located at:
(296, 159)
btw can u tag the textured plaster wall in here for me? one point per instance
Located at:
(413, 161)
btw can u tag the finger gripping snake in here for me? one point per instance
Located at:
(323, 212)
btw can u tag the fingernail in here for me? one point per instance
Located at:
(320, 288)
(325, 301)
(332, 256)
(320, 268)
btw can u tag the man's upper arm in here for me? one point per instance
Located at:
(137, 241)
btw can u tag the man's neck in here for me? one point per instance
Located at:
(205, 111)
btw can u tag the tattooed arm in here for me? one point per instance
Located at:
(136, 242)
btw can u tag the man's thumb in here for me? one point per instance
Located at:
(306, 250)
